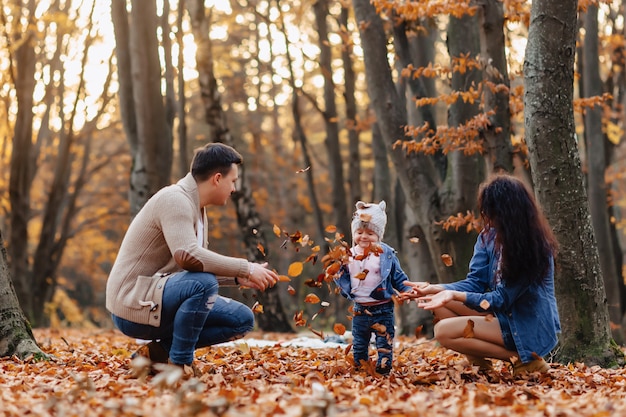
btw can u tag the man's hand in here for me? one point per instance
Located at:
(260, 277)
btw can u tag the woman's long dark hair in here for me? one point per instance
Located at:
(523, 235)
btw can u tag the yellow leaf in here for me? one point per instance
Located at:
(295, 269)
(277, 230)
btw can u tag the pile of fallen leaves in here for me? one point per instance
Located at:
(92, 375)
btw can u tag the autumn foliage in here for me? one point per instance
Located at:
(92, 375)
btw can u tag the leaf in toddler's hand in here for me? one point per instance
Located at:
(468, 332)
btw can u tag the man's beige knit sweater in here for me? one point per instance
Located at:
(162, 239)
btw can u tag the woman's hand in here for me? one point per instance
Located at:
(440, 299)
(260, 277)
(419, 289)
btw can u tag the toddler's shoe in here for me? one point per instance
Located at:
(383, 369)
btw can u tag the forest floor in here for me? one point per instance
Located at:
(92, 375)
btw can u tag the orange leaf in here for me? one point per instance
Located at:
(312, 299)
(339, 328)
(276, 230)
(418, 331)
(331, 229)
(257, 308)
(295, 269)
(484, 304)
(284, 278)
(414, 239)
(361, 275)
(447, 259)
(291, 290)
(261, 249)
(468, 332)
(379, 328)
(364, 217)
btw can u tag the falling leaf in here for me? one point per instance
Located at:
(284, 278)
(295, 269)
(468, 332)
(312, 299)
(484, 304)
(257, 308)
(414, 239)
(379, 328)
(320, 334)
(447, 259)
(331, 229)
(276, 230)
(361, 275)
(298, 318)
(303, 170)
(339, 328)
(261, 249)
(325, 304)
(418, 331)
(291, 290)
(364, 217)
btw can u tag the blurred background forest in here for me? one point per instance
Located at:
(103, 102)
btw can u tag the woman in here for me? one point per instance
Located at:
(507, 299)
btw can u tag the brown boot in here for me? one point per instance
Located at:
(536, 365)
(152, 351)
(482, 363)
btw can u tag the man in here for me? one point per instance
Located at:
(164, 284)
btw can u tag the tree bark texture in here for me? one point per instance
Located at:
(22, 169)
(492, 53)
(597, 188)
(16, 337)
(153, 163)
(274, 317)
(335, 161)
(558, 180)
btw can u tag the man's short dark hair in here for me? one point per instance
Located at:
(213, 158)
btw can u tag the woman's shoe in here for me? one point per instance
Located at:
(536, 365)
(482, 363)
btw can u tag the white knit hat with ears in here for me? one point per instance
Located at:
(370, 216)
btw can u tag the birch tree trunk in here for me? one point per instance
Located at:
(558, 180)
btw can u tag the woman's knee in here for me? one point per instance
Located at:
(443, 332)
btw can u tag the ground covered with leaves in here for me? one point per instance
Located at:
(92, 374)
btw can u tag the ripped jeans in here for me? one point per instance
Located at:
(193, 316)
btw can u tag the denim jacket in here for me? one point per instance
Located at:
(390, 270)
(530, 310)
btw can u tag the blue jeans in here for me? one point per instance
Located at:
(193, 316)
(362, 323)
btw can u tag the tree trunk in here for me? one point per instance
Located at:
(22, 169)
(335, 162)
(596, 162)
(349, 84)
(16, 337)
(495, 75)
(558, 180)
(274, 317)
(152, 164)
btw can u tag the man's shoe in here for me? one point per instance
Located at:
(536, 365)
(152, 351)
(482, 363)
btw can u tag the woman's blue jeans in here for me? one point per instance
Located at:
(193, 316)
